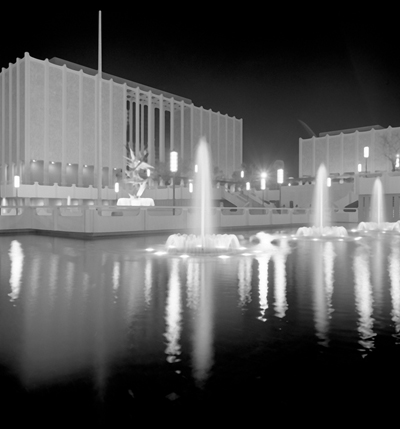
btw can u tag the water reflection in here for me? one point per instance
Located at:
(173, 313)
(329, 262)
(394, 274)
(244, 277)
(193, 286)
(263, 261)
(115, 277)
(281, 305)
(377, 273)
(323, 267)
(16, 255)
(201, 284)
(86, 312)
(364, 299)
(52, 276)
(148, 276)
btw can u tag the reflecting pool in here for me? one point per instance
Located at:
(103, 328)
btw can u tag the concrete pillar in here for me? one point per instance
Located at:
(182, 105)
(162, 130)
(27, 137)
(46, 124)
(80, 163)
(3, 135)
(18, 120)
(172, 136)
(192, 144)
(137, 121)
(10, 115)
(218, 140)
(150, 130)
(64, 126)
(131, 125)
(141, 127)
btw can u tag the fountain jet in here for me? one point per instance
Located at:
(321, 211)
(377, 212)
(203, 239)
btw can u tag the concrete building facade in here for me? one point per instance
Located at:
(343, 151)
(49, 125)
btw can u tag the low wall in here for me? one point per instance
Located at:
(104, 220)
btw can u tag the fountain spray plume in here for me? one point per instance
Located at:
(203, 189)
(321, 210)
(377, 204)
(203, 240)
(377, 215)
(321, 204)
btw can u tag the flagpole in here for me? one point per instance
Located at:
(99, 143)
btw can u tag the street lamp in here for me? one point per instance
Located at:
(263, 180)
(366, 156)
(263, 183)
(279, 174)
(116, 189)
(173, 165)
(359, 168)
(17, 183)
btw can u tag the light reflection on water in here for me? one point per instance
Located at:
(394, 272)
(17, 261)
(364, 298)
(87, 306)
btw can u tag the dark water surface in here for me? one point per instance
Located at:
(98, 331)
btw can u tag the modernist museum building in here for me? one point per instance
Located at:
(342, 152)
(50, 133)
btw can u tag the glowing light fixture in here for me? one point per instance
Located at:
(328, 182)
(116, 187)
(17, 182)
(366, 156)
(359, 167)
(247, 186)
(280, 175)
(173, 161)
(263, 181)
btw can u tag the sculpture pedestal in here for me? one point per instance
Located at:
(135, 202)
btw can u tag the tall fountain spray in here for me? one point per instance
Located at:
(321, 204)
(377, 204)
(321, 222)
(377, 218)
(203, 190)
(203, 239)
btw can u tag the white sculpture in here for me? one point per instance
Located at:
(136, 181)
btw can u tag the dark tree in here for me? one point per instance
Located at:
(389, 145)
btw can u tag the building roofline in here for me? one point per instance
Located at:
(120, 80)
(351, 130)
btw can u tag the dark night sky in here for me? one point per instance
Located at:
(269, 68)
